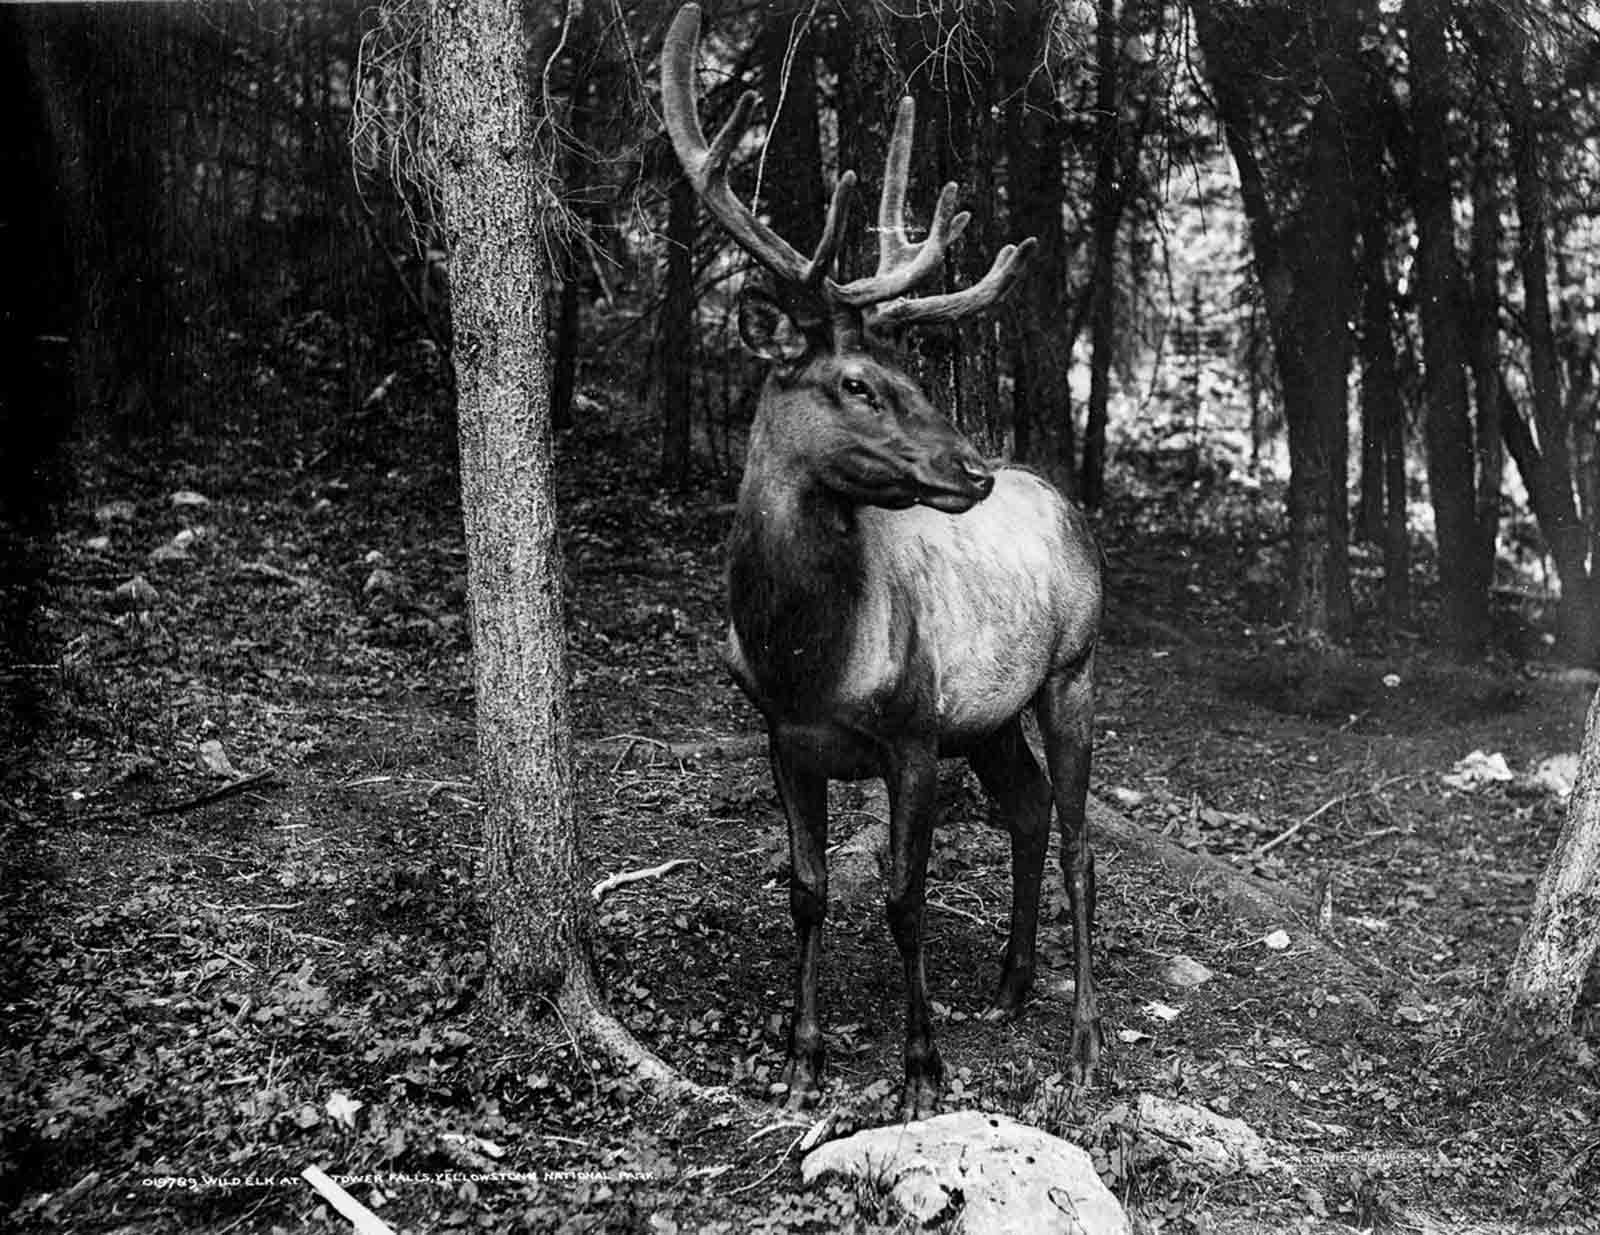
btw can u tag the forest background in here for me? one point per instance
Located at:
(1310, 329)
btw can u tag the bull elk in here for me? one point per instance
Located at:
(893, 599)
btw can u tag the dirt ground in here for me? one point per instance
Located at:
(205, 995)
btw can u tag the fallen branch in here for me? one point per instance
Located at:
(231, 789)
(732, 746)
(1260, 851)
(611, 883)
(363, 1219)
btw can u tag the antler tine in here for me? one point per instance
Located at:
(1008, 266)
(901, 264)
(707, 166)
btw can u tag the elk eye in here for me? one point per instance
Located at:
(858, 389)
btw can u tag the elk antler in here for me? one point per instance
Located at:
(707, 166)
(901, 264)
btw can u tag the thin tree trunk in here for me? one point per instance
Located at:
(1442, 310)
(1304, 268)
(1562, 937)
(1042, 351)
(1102, 286)
(1578, 621)
(792, 189)
(1383, 420)
(676, 346)
(1485, 357)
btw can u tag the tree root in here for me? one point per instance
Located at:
(593, 1026)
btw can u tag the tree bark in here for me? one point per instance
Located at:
(477, 83)
(479, 92)
(1563, 934)
(1443, 312)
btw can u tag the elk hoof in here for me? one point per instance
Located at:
(799, 1087)
(1085, 1054)
(919, 1099)
(1008, 1000)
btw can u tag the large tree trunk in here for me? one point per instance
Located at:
(1442, 310)
(478, 92)
(1563, 934)
(479, 96)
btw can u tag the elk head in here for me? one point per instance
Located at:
(835, 404)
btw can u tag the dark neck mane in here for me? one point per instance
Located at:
(794, 586)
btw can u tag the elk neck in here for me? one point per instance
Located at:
(796, 577)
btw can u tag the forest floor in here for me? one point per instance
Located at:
(203, 995)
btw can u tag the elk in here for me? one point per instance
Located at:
(892, 599)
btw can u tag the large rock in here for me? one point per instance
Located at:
(994, 1174)
(1213, 1144)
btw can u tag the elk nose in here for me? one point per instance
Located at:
(979, 476)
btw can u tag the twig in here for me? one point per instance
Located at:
(776, 1167)
(611, 883)
(775, 1127)
(960, 913)
(229, 790)
(1267, 847)
(631, 740)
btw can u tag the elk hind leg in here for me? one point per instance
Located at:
(1065, 707)
(1010, 774)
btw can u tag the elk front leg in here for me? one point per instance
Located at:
(805, 802)
(1012, 777)
(1066, 720)
(912, 777)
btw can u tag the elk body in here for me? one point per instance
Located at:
(892, 599)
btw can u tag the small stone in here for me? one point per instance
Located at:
(1185, 971)
(136, 594)
(119, 511)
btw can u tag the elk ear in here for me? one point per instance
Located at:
(768, 330)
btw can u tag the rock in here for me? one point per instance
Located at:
(167, 554)
(989, 1171)
(214, 760)
(1556, 775)
(1214, 1144)
(119, 511)
(1185, 971)
(1476, 770)
(136, 594)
